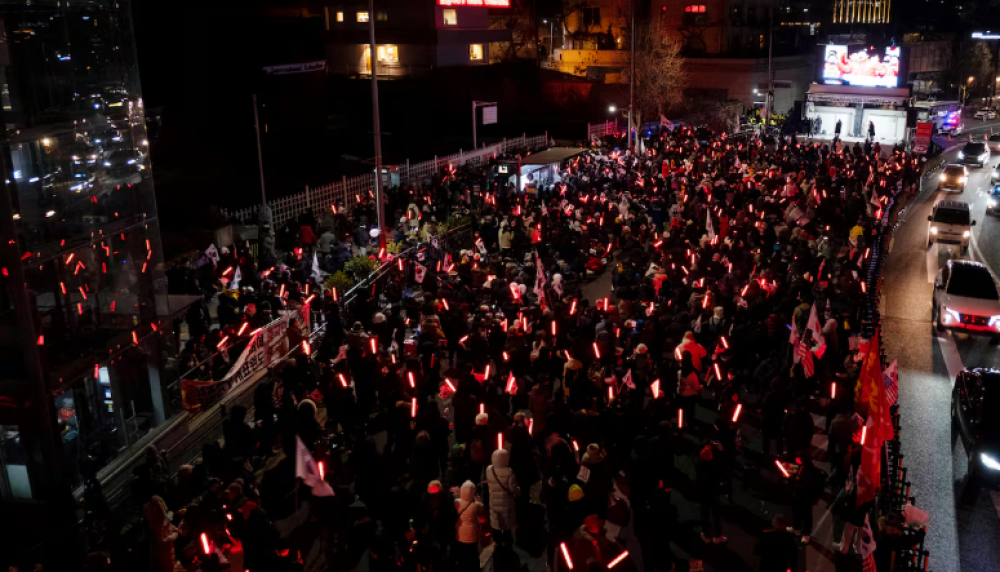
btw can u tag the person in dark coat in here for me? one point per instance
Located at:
(709, 484)
(776, 547)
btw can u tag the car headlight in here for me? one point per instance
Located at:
(962, 179)
(107, 163)
(943, 177)
(966, 234)
(951, 315)
(991, 203)
(933, 230)
(994, 321)
(989, 462)
(961, 155)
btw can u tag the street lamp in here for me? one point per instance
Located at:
(612, 108)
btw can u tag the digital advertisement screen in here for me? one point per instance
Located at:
(864, 66)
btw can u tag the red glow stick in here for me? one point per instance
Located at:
(444, 302)
(531, 425)
(222, 342)
(343, 381)
(243, 328)
(499, 440)
(450, 385)
(305, 348)
(565, 553)
(718, 372)
(322, 473)
(204, 544)
(781, 468)
(41, 340)
(487, 373)
(554, 328)
(506, 357)
(482, 408)
(736, 414)
(597, 352)
(618, 560)
(725, 344)
(135, 338)
(656, 389)
(409, 374)
(413, 407)
(576, 446)
(572, 308)
(680, 418)
(611, 394)
(833, 390)
(864, 434)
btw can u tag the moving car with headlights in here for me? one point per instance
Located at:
(966, 299)
(949, 223)
(953, 178)
(986, 113)
(974, 154)
(995, 175)
(975, 412)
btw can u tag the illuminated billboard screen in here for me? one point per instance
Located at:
(864, 66)
(483, 3)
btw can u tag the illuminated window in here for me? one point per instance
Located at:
(450, 17)
(475, 51)
(362, 16)
(388, 54)
(340, 16)
(694, 9)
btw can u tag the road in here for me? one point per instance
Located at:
(964, 527)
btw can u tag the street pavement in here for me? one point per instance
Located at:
(964, 525)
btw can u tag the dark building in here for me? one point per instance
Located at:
(82, 292)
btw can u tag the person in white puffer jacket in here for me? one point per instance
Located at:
(503, 492)
(467, 528)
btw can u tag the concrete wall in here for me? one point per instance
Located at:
(739, 77)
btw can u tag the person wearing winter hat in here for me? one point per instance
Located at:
(467, 528)
(503, 494)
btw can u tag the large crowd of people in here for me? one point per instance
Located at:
(492, 404)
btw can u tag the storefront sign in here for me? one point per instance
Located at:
(922, 140)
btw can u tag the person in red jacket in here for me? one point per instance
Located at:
(307, 237)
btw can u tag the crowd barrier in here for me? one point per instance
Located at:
(894, 492)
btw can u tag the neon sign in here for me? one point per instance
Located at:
(484, 3)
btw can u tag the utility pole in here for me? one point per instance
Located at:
(770, 75)
(379, 207)
(631, 80)
(260, 158)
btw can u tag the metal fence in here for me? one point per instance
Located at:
(319, 199)
(895, 488)
(598, 130)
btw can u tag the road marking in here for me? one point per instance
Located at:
(932, 263)
(949, 351)
(979, 254)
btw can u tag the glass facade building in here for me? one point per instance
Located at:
(82, 290)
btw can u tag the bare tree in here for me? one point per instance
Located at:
(659, 73)
(520, 22)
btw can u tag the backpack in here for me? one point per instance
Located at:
(477, 453)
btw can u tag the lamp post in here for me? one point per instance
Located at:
(377, 124)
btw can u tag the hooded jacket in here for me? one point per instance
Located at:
(503, 491)
(469, 511)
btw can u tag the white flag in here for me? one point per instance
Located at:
(235, 283)
(419, 272)
(627, 378)
(708, 225)
(212, 253)
(317, 274)
(866, 543)
(307, 470)
(813, 324)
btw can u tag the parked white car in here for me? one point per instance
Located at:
(985, 113)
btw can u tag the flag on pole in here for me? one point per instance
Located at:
(234, 284)
(891, 378)
(212, 253)
(866, 541)
(708, 225)
(317, 273)
(877, 428)
(628, 380)
(814, 325)
(419, 272)
(805, 355)
(307, 470)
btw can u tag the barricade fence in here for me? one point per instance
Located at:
(318, 200)
(598, 130)
(894, 493)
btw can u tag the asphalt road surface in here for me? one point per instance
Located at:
(964, 528)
